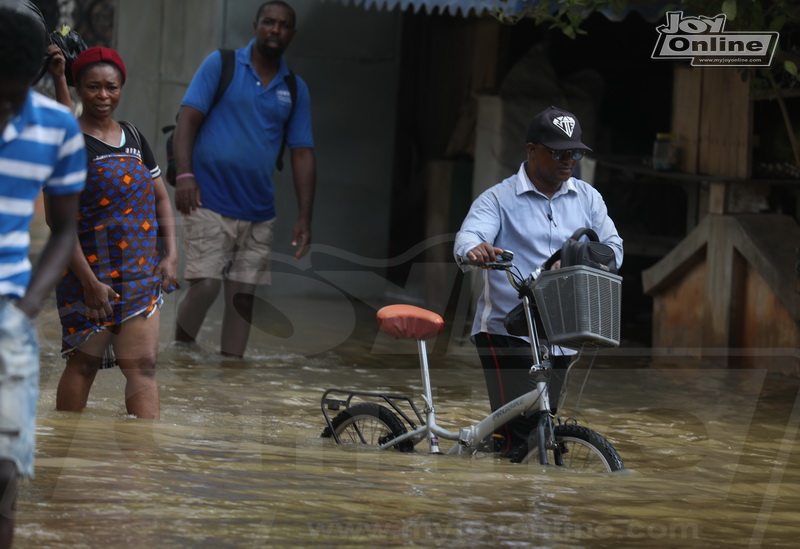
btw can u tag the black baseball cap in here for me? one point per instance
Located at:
(557, 129)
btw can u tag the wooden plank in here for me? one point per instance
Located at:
(725, 124)
(678, 311)
(686, 92)
(667, 272)
(719, 281)
(767, 328)
(771, 243)
(717, 198)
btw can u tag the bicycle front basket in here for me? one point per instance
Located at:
(580, 306)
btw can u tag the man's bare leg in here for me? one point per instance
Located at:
(193, 308)
(237, 317)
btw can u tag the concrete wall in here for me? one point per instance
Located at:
(348, 57)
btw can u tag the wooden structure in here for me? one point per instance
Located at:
(731, 289)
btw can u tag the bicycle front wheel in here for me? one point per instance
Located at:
(580, 449)
(368, 423)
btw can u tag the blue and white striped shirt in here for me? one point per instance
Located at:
(41, 148)
(514, 216)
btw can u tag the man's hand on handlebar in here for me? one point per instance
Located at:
(484, 253)
(488, 257)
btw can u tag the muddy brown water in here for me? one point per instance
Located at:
(237, 461)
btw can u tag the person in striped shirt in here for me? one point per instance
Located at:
(41, 149)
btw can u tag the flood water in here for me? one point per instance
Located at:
(237, 459)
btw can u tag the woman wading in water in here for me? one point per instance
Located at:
(126, 256)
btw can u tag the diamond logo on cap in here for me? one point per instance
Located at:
(565, 123)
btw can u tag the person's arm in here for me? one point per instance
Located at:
(606, 230)
(304, 173)
(168, 266)
(56, 65)
(478, 231)
(97, 295)
(187, 192)
(62, 219)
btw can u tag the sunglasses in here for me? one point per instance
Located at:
(558, 154)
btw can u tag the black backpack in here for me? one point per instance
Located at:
(225, 77)
(592, 253)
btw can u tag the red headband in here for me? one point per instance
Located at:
(96, 55)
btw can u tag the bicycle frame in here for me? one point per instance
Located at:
(550, 441)
(470, 438)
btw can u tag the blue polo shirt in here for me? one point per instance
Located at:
(514, 216)
(41, 148)
(237, 146)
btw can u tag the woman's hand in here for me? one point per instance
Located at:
(56, 64)
(98, 298)
(167, 269)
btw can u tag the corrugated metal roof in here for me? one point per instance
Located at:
(454, 7)
(649, 9)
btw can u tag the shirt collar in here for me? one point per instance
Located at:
(524, 184)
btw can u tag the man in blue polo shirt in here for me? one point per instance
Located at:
(224, 160)
(41, 148)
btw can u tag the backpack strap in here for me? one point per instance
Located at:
(225, 78)
(587, 232)
(291, 83)
(133, 131)
(584, 231)
(226, 75)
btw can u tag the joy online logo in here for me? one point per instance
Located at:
(703, 40)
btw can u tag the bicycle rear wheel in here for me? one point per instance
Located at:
(368, 423)
(580, 449)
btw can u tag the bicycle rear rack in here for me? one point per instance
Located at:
(403, 322)
(335, 403)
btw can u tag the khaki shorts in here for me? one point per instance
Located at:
(221, 247)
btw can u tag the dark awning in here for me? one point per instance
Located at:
(649, 9)
(453, 7)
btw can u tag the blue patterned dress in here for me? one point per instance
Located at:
(118, 233)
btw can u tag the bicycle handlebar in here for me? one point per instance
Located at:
(501, 262)
(504, 263)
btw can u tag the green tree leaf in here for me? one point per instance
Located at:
(729, 9)
(777, 23)
(790, 67)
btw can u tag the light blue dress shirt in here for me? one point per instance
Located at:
(514, 216)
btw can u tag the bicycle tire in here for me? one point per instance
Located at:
(581, 449)
(370, 424)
